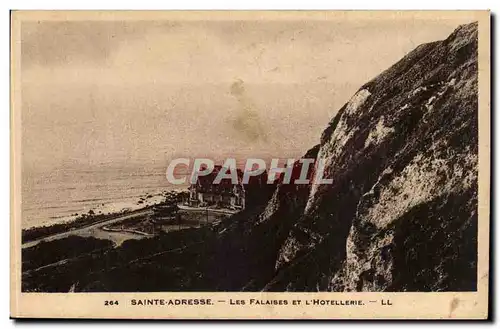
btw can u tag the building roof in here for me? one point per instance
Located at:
(205, 184)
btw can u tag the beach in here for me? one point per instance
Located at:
(58, 196)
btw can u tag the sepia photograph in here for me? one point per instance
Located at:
(250, 164)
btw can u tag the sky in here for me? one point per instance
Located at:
(128, 92)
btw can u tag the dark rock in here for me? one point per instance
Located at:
(402, 211)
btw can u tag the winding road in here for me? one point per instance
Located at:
(86, 229)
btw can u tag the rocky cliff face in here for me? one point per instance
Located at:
(401, 214)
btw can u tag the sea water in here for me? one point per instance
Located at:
(60, 195)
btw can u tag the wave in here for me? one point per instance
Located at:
(54, 197)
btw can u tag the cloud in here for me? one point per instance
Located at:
(52, 43)
(200, 52)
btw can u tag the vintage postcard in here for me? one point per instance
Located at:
(250, 164)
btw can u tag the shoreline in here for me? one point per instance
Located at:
(91, 218)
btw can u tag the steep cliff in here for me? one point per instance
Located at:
(401, 213)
